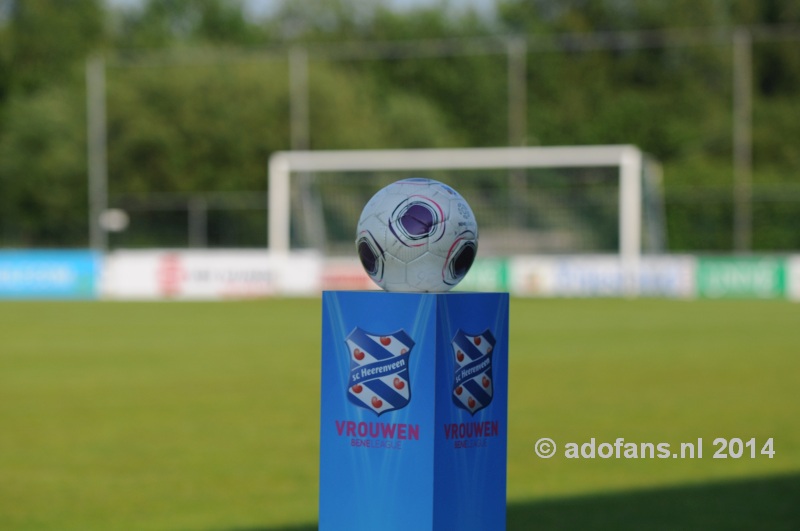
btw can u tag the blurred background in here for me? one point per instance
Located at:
(135, 137)
(194, 96)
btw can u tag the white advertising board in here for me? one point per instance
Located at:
(793, 278)
(345, 274)
(600, 276)
(668, 276)
(207, 275)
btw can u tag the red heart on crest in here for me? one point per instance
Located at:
(399, 384)
(376, 402)
(385, 341)
(459, 390)
(477, 340)
(486, 382)
(358, 354)
(357, 388)
(471, 403)
(460, 356)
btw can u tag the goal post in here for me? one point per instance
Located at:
(628, 159)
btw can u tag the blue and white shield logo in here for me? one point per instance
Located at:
(379, 378)
(472, 383)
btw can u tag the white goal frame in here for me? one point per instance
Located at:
(629, 159)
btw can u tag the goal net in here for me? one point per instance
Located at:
(527, 200)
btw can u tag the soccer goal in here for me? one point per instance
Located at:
(527, 200)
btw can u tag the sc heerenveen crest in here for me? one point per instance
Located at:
(379, 376)
(473, 386)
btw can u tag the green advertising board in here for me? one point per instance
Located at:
(490, 274)
(751, 277)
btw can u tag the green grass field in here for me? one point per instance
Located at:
(204, 416)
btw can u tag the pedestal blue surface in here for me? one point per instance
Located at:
(414, 404)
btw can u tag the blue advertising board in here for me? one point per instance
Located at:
(414, 405)
(49, 274)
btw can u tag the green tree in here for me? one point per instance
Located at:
(162, 24)
(210, 127)
(43, 44)
(46, 38)
(43, 170)
(189, 110)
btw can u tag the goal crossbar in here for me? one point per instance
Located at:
(628, 158)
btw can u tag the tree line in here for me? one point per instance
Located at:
(198, 97)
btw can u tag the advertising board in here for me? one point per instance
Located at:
(741, 277)
(49, 274)
(600, 276)
(208, 274)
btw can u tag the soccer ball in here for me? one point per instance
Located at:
(417, 235)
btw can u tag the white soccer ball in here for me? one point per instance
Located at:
(417, 235)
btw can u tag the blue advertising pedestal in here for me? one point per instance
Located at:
(413, 411)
